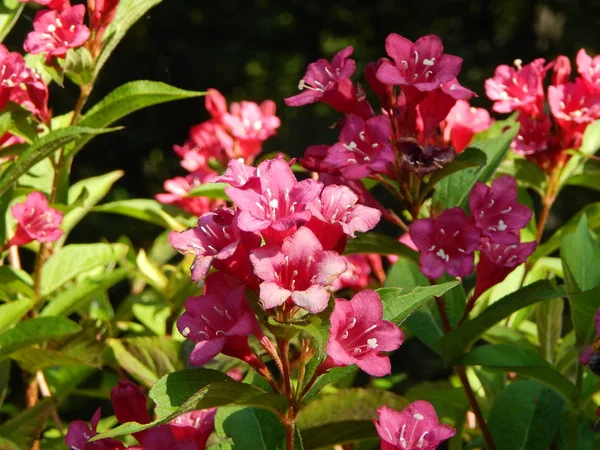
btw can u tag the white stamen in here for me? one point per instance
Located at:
(418, 416)
(372, 343)
(274, 203)
(442, 254)
(501, 225)
(185, 332)
(51, 28)
(429, 62)
(507, 210)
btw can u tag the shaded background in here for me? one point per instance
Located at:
(259, 49)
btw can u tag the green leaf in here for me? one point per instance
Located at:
(530, 174)
(10, 10)
(465, 160)
(512, 358)
(454, 190)
(583, 310)
(35, 331)
(15, 281)
(526, 416)
(380, 244)
(331, 376)
(24, 428)
(590, 180)
(76, 296)
(174, 389)
(151, 272)
(96, 188)
(457, 340)
(356, 406)
(13, 312)
(549, 321)
(397, 307)
(253, 428)
(580, 252)
(43, 148)
(210, 190)
(216, 394)
(128, 13)
(592, 211)
(589, 145)
(143, 209)
(76, 259)
(147, 359)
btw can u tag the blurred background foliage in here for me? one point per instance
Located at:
(259, 49)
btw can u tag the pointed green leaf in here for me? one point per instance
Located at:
(10, 10)
(13, 312)
(380, 244)
(210, 190)
(143, 209)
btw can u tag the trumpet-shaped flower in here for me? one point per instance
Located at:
(36, 221)
(589, 69)
(299, 270)
(416, 427)
(359, 334)
(462, 122)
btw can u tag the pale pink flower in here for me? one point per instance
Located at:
(299, 270)
(239, 175)
(57, 31)
(573, 105)
(36, 221)
(416, 427)
(422, 64)
(589, 69)
(496, 211)
(359, 334)
(178, 190)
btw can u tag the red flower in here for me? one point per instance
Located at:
(462, 122)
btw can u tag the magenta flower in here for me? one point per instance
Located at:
(497, 261)
(534, 135)
(416, 427)
(194, 427)
(381, 90)
(462, 122)
(280, 200)
(80, 432)
(336, 212)
(299, 270)
(589, 69)
(130, 405)
(217, 241)
(363, 149)
(57, 31)
(11, 74)
(241, 176)
(496, 211)
(36, 221)
(446, 243)
(357, 274)
(518, 89)
(178, 190)
(219, 321)
(32, 94)
(422, 64)
(359, 334)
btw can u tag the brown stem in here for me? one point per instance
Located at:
(439, 301)
(290, 431)
(46, 393)
(13, 257)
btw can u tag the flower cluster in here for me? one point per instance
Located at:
(234, 134)
(36, 221)
(281, 242)
(189, 431)
(573, 105)
(447, 242)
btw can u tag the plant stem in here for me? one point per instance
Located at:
(290, 422)
(464, 380)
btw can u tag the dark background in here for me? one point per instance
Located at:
(259, 49)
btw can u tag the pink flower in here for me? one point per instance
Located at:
(219, 321)
(421, 64)
(358, 335)
(356, 276)
(239, 175)
(32, 94)
(589, 69)
(462, 122)
(102, 13)
(36, 221)
(534, 134)
(178, 189)
(364, 148)
(251, 124)
(280, 200)
(217, 241)
(52, 4)
(130, 405)
(337, 212)
(521, 89)
(331, 84)
(207, 141)
(300, 269)
(573, 105)
(57, 31)
(79, 433)
(561, 70)
(497, 261)
(12, 72)
(416, 427)
(446, 243)
(496, 211)
(194, 427)
(381, 90)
